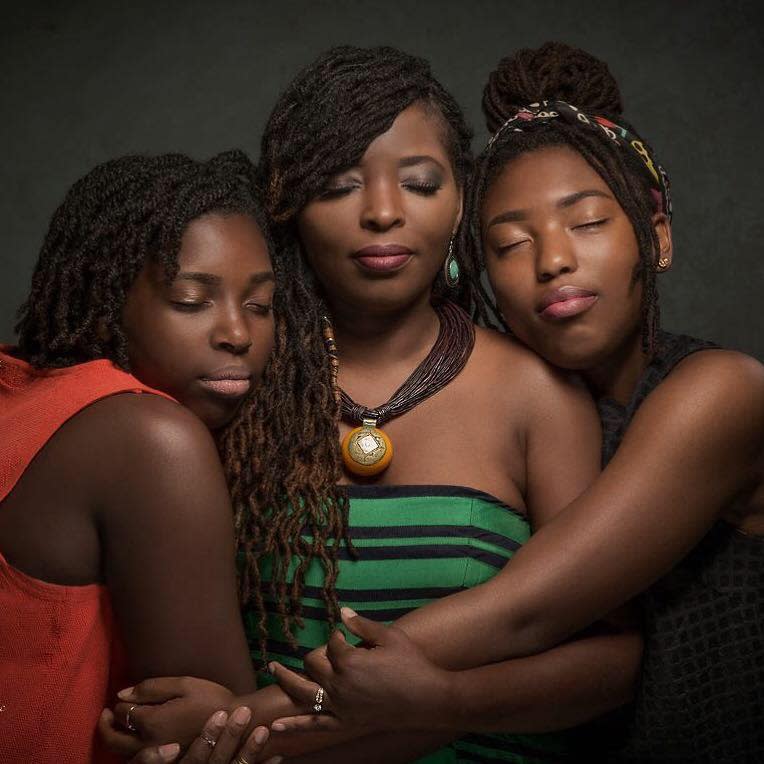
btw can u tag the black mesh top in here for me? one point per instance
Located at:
(701, 697)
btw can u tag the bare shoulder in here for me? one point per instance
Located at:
(522, 376)
(721, 380)
(143, 424)
(141, 442)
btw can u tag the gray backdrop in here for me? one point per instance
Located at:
(84, 81)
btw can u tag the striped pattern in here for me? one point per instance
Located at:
(416, 544)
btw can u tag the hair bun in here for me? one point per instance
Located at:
(553, 72)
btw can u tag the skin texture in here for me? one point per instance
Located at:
(147, 511)
(513, 430)
(694, 453)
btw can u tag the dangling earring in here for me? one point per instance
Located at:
(451, 267)
(663, 264)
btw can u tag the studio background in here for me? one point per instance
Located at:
(85, 81)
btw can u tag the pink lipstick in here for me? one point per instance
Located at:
(230, 382)
(566, 302)
(383, 258)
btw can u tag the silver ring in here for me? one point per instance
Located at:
(211, 742)
(318, 700)
(128, 721)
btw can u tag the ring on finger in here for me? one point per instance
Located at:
(241, 760)
(318, 700)
(207, 738)
(128, 720)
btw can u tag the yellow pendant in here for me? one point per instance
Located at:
(366, 450)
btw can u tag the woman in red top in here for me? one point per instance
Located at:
(155, 277)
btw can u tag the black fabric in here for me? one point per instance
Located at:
(701, 696)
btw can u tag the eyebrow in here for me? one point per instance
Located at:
(419, 159)
(511, 216)
(213, 280)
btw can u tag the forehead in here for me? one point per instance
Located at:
(218, 242)
(541, 176)
(419, 130)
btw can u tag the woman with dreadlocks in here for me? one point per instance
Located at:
(570, 217)
(155, 277)
(445, 456)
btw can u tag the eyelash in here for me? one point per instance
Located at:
(592, 224)
(424, 189)
(259, 309)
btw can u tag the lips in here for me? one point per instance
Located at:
(383, 257)
(230, 382)
(566, 302)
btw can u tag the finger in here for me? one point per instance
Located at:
(230, 738)
(254, 746)
(157, 755)
(317, 665)
(300, 689)
(130, 716)
(116, 740)
(337, 649)
(307, 723)
(156, 690)
(200, 751)
(371, 632)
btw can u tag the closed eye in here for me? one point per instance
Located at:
(424, 189)
(259, 308)
(507, 248)
(592, 224)
(187, 306)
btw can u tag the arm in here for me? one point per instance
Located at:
(164, 519)
(561, 688)
(693, 447)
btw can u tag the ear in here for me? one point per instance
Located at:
(665, 253)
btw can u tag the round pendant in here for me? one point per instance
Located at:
(366, 451)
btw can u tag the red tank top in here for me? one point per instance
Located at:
(60, 660)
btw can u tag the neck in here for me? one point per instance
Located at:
(369, 338)
(617, 376)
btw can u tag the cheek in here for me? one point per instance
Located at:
(512, 287)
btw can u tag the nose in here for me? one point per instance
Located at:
(554, 256)
(382, 208)
(231, 331)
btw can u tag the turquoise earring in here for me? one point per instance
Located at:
(451, 267)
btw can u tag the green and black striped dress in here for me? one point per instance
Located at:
(416, 544)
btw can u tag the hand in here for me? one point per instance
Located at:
(386, 683)
(218, 743)
(164, 710)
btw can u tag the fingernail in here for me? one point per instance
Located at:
(277, 760)
(272, 668)
(261, 735)
(278, 726)
(169, 752)
(125, 694)
(241, 715)
(220, 718)
(348, 612)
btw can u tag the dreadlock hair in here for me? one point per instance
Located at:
(556, 71)
(121, 215)
(322, 124)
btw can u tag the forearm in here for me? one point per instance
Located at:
(561, 688)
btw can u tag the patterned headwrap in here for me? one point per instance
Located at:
(544, 111)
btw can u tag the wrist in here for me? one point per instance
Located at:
(439, 710)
